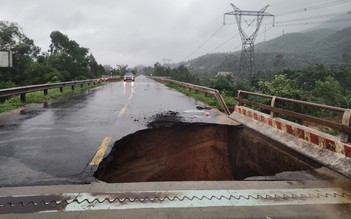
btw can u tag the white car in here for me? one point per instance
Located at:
(129, 77)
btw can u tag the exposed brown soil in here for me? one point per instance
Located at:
(179, 153)
(176, 151)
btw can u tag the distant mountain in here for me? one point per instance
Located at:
(290, 43)
(293, 50)
(337, 23)
(211, 64)
(319, 34)
(322, 46)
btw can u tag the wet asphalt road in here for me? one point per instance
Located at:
(53, 143)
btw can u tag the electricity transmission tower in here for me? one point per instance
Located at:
(166, 62)
(247, 58)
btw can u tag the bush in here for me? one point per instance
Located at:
(7, 84)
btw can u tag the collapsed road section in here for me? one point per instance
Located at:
(179, 151)
(241, 170)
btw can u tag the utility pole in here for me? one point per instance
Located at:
(283, 44)
(247, 58)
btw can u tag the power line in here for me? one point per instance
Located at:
(314, 7)
(225, 42)
(316, 22)
(306, 18)
(314, 17)
(300, 24)
(281, 23)
(204, 43)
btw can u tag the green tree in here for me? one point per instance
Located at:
(41, 71)
(328, 91)
(305, 79)
(279, 61)
(95, 69)
(281, 86)
(182, 74)
(59, 42)
(161, 71)
(121, 69)
(346, 55)
(343, 76)
(24, 52)
(67, 56)
(223, 84)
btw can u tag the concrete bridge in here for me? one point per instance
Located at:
(167, 156)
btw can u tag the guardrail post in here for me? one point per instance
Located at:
(72, 87)
(81, 85)
(61, 89)
(221, 101)
(274, 104)
(23, 97)
(346, 121)
(45, 92)
(240, 97)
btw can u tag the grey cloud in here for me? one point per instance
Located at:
(138, 32)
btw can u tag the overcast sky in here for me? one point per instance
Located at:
(136, 32)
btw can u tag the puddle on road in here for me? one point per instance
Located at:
(172, 150)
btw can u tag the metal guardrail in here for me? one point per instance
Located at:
(111, 77)
(275, 109)
(22, 91)
(207, 90)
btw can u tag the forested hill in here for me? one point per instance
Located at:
(293, 50)
(293, 42)
(322, 45)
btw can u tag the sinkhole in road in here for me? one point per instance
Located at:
(181, 151)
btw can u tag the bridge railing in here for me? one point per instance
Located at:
(276, 110)
(22, 91)
(207, 90)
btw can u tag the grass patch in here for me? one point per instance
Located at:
(14, 102)
(210, 100)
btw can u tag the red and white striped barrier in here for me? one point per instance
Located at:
(313, 136)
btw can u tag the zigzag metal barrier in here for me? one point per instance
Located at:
(171, 199)
(206, 90)
(22, 91)
(276, 110)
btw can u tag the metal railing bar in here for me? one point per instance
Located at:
(304, 117)
(322, 106)
(208, 90)
(39, 87)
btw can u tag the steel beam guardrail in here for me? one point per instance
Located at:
(344, 126)
(42, 87)
(207, 90)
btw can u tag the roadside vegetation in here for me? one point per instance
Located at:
(14, 102)
(312, 67)
(64, 60)
(319, 84)
(208, 99)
